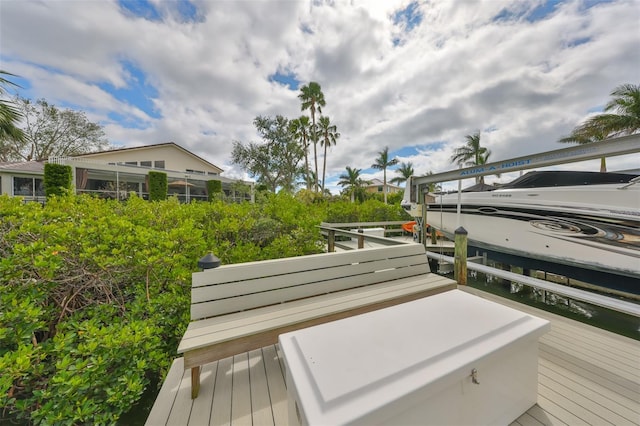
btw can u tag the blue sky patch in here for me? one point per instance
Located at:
(188, 11)
(185, 10)
(141, 9)
(22, 85)
(578, 41)
(287, 79)
(410, 16)
(543, 11)
(138, 92)
(127, 121)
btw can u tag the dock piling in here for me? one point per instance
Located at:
(460, 256)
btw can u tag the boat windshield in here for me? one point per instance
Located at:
(567, 178)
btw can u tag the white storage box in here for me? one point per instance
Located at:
(416, 363)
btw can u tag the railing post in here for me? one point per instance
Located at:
(331, 241)
(361, 238)
(460, 256)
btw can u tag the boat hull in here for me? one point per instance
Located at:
(567, 226)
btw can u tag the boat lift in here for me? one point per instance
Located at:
(608, 148)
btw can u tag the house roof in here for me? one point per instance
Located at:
(378, 182)
(148, 147)
(23, 166)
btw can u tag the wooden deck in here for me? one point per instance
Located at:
(587, 376)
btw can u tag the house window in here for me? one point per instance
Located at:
(158, 164)
(131, 163)
(28, 187)
(145, 163)
(213, 174)
(380, 189)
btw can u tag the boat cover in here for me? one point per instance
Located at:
(567, 178)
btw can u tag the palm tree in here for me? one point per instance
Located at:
(328, 136)
(471, 154)
(588, 134)
(406, 171)
(352, 181)
(313, 99)
(301, 129)
(622, 118)
(10, 116)
(382, 162)
(433, 186)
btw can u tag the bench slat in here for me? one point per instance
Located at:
(280, 295)
(253, 270)
(300, 277)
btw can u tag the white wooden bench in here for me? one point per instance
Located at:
(242, 307)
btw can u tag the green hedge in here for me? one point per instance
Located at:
(57, 179)
(158, 186)
(214, 189)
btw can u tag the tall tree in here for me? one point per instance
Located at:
(51, 132)
(471, 154)
(276, 161)
(328, 136)
(10, 117)
(405, 171)
(312, 99)
(382, 163)
(621, 117)
(352, 182)
(588, 134)
(301, 130)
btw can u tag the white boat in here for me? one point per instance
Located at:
(580, 219)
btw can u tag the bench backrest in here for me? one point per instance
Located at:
(243, 286)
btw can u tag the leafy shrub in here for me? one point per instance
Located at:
(94, 294)
(57, 179)
(158, 186)
(214, 189)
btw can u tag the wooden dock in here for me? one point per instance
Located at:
(586, 376)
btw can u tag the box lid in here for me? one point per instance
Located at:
(379, 356)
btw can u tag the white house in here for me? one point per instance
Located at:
(377, 186)
(116, 173)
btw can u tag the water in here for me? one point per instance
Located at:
(596, 316)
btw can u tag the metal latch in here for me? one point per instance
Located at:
(474, 377)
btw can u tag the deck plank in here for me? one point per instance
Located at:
(164, 402)
(201, 408)
(221, 405)
(182, 406)
(544, 417)
(596, 391)
(277, 386)
(241, 392)
(260, 401)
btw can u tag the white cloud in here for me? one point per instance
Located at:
(457, 72)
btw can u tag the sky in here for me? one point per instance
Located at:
(413, 76)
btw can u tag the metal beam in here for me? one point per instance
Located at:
(608, 148)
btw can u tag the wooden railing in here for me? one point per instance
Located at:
(331, 230)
